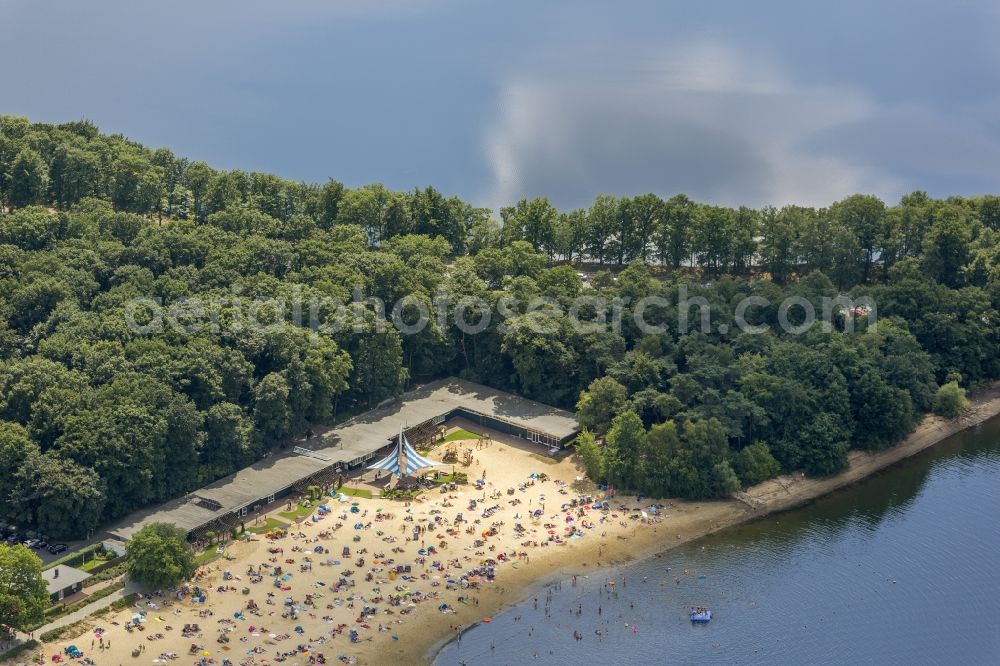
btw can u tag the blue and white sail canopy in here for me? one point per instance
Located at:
(403, 460)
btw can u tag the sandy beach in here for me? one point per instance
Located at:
(414, 575)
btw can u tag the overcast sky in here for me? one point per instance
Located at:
(731, 102)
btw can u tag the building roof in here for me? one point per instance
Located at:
(68, 576)
(260, 480)
(354, 440)
(372, 430)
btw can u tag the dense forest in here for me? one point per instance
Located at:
(98, 418)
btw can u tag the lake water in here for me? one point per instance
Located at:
(903, 568)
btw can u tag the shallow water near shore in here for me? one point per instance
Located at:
(898, 569)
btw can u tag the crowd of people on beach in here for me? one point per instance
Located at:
(355, 570)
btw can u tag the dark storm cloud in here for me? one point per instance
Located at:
(922, 146)
(711, 122)
(730, 101)
(622, 151)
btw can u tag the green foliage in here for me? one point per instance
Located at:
(460, 433)
(23, 593)
(62, 610)
(754, 464)
(458, 477)
(29, 179)
(27, 646)
(62, 498)
(600, 403)
(950, 400)
(624, 443)
(87, 559)
(531, 221)
(16, 448)
(77, 628)
(97, 419)
(824, 446)
(266, 525)
(159, 556)
(299, 512)
(123, 603)
(591, 456)
(667, 460)
(117, 568)
(57, 633)
(724, 479)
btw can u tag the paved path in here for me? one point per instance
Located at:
(89, 609)
(76, 616)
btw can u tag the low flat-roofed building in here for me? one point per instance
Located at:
(223, 504)
(448, 398)
(63, 581)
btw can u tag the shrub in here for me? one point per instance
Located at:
(55, 612)
(27, 646)
(58, 632)
(755, 464)
(950, 400)
(124, 602)
(116, 568)
(73, 559)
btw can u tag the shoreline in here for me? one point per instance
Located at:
(530, 557)
(777, 495)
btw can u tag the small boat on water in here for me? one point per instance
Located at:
(701, 615)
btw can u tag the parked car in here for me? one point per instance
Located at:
(58, 548)
(41, 545)
(30, 543)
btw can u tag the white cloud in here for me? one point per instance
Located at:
(720, 125)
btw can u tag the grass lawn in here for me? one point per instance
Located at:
(461, 433)
(206, 556)
(268, 524)
(457, 477)
(355, 492)
(91, 563)
(299, 513)
(70, 557)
